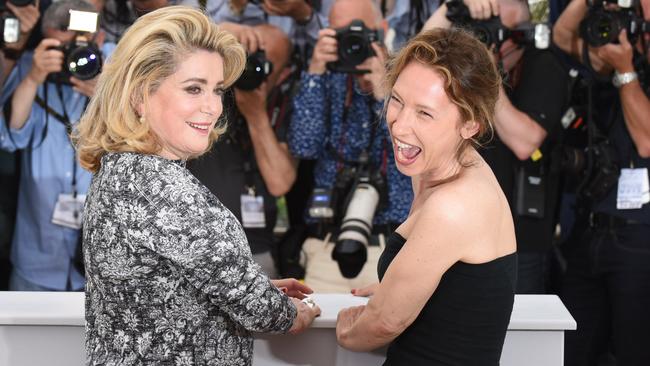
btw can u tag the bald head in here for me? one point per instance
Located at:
(343, 12)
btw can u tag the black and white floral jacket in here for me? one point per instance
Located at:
(170, 278)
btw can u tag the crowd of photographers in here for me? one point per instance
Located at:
(570, 148)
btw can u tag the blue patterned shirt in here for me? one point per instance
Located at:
(320, 129)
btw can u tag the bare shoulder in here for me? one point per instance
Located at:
(470, 213)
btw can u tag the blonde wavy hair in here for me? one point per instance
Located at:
(148, 53)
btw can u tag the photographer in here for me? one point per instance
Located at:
(527, 125)
(27, 17)
(607, 284)
(40, 116)
(337, 121)
(251, 165)
(299, 19)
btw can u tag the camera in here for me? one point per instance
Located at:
(367, 193)
(493, 32)
(81, 57)
(602, 26)
(257, 70)
(596, 168)
(354, 47)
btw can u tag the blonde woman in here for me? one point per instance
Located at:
(170, 279)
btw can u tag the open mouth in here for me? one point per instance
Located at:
(406, 153)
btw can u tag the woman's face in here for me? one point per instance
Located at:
(423, 122)
(186, 105)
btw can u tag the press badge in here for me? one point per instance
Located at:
(633, 189)
(252, 211)
(68, 211)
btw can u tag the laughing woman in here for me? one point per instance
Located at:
(170, 277)
(448, 272)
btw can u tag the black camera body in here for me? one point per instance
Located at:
(602, 26)
(81, 59)
(595, 168)
(354, 47)
(492, 32)
(257, 70)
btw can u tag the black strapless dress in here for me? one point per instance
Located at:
(465, 320)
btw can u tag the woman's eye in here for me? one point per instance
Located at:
(425, 114)
(193, 89)
(394, 98)
(219, 91)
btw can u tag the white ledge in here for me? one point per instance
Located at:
(540, 312)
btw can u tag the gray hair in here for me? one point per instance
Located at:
(57, 15)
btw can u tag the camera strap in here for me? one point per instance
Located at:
(341, 161)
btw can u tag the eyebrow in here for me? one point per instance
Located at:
(200, 80)
(421, 106)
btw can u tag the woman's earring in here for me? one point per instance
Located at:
(142, 119)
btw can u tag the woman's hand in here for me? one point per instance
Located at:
(345, 320)
(293, 288)
(365, 291)
(305, 317)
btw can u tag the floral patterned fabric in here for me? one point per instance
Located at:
(170, 279)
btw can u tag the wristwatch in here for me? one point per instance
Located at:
(625, 78)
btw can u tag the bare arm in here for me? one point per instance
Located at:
(566, 34)
(636, 106)
(436, 242)
(45, 61)
(516, 129)
(277, 166)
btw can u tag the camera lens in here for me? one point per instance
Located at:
(601, 27)
(350, 250)
(84, 62)
(257, 69)
(353, 49)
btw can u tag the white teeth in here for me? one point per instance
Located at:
(402, 145)
(200, 127)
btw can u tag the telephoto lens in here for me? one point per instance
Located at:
(350, 251)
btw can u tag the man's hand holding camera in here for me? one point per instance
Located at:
(47, 59)
(372, 81)
(482, 9)
(618, 56)
(325, 51)
(252, 104)
(85, 87)
(248, 36)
